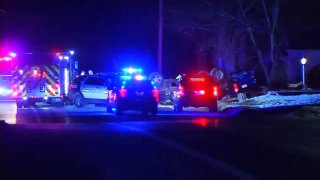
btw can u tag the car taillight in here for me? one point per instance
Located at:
(155, 93)
(235, 87)
(180, 91)
(202, 92)
(215, 91)
(123, 93)
(112, 96)
(71, 86)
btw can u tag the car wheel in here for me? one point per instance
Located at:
(79, 100)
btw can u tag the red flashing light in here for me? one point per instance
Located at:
(180, 91)
(155, 93)
(202, 92)
(235, 87)
(215, 91)
(123, 93)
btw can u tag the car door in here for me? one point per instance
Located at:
(101, 89)
(88, 88)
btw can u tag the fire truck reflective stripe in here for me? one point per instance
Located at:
(22, 92)
(54, 89)
(50, 91)
(24, 77)
(49, 81)
(55, 69)
(49, 71)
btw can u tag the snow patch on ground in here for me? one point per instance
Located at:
(273, 99)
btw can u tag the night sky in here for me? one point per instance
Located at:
(108, 35)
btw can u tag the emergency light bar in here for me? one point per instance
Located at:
(126, 78)
(132, 70)
(139, 77)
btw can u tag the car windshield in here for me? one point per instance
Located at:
(159, 89)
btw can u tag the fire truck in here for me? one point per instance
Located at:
(49, 83)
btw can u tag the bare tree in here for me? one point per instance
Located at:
(257, 18)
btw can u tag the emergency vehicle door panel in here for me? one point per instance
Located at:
(36, 87)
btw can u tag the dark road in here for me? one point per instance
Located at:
(49, 144)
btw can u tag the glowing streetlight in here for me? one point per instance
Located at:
(303, 62)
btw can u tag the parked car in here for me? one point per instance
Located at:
(90, 89)
(196, 90)
(135, 94)
(238, 82)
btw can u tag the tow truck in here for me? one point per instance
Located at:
(45, 83)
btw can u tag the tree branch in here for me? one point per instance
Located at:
(266, 14)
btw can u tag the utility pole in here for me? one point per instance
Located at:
(160, 36)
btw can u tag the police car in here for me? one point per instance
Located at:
(196, 90)
(134, 93)
(90, 89)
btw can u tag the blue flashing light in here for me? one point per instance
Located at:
(113, 109)
(139, 77)
(126, 78)
(132, 70)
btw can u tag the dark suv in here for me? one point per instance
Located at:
(196, 90)
(134, 95)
